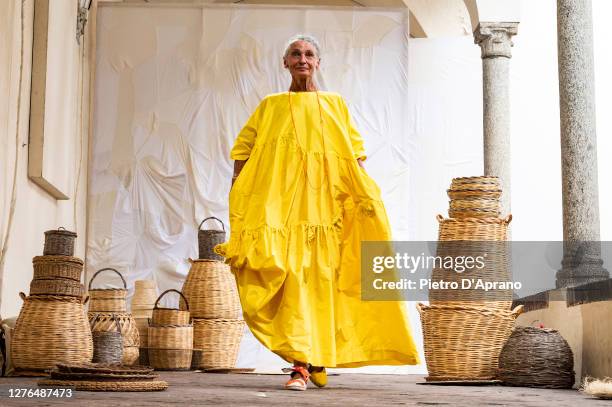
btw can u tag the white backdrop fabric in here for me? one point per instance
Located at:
(175, 85)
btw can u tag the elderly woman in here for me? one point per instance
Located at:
(300, 205)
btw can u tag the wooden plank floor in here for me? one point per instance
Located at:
(348, 390)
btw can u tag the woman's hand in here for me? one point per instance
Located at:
(238, 165)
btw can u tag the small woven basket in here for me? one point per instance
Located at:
(59, 242)
(50, 330)
(208, 239)
(536, 357)
(119, 321)
(57, 286)
(478, 182)
(108, 346)
(219, 340)
(47, 267)
(211, 290)
(108, 299)
(489, 229)
(464, 343)
(170, 316)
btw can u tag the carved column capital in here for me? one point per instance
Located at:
(495, 39)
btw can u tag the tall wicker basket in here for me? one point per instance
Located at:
(211, 291)
(208, 239)
(170, 337)
(464, 343)
(143, 300)
(50, 330)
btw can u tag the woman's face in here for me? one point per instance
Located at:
(302, 60)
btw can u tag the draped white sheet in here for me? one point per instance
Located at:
(175, 85)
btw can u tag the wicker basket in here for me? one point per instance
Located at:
(211, 291)
(495, 268)
(109, 299)
(170, 347)
(474, 193)
(57, 286)
(473, 213)
(479, 182)
(475, 203)
(47, 267)
(170, 316)
(490, 229)
(50, 330)
(536, 357)
(59, 242)
(145, 294)
(208, 239)
(219, 340)
(142, 324)
(108, 346)
(107, 321)
(464, 343)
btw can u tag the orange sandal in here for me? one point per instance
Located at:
(298, 382)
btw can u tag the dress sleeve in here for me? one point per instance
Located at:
(246, 138)
(355, 137)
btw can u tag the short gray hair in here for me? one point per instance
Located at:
(303, 37)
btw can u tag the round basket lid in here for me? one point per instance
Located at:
(61, 231)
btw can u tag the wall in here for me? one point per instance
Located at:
(34, 210)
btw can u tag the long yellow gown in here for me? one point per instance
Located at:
(298, 212)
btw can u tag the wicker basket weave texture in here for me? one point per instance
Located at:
(107, 321)
(170, 359)
(50, 330)
(145, 294)
(464, 343)
(108, 347)
(219, 341)
(490, 229)
(170, 316)
(47, 267)
(211, 291)
(107, 299)
(57, 286)
(536, 357)
(208, 239)
(59, 242)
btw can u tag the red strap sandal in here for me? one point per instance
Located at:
(298, 381)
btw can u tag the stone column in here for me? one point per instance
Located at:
(582, 252)
(495, 42)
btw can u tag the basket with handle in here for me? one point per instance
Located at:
(59, 242)
(50, 330)
(108, 345)
(211, 291)
(170, 316)
(107, 299)
(464, 343)
(48, 267)
(208, 239)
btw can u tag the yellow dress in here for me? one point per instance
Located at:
(298, 212)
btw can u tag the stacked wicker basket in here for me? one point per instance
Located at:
(52, 327)
(211, 291)
(108, 313)
(170, 337)
(464, 330)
